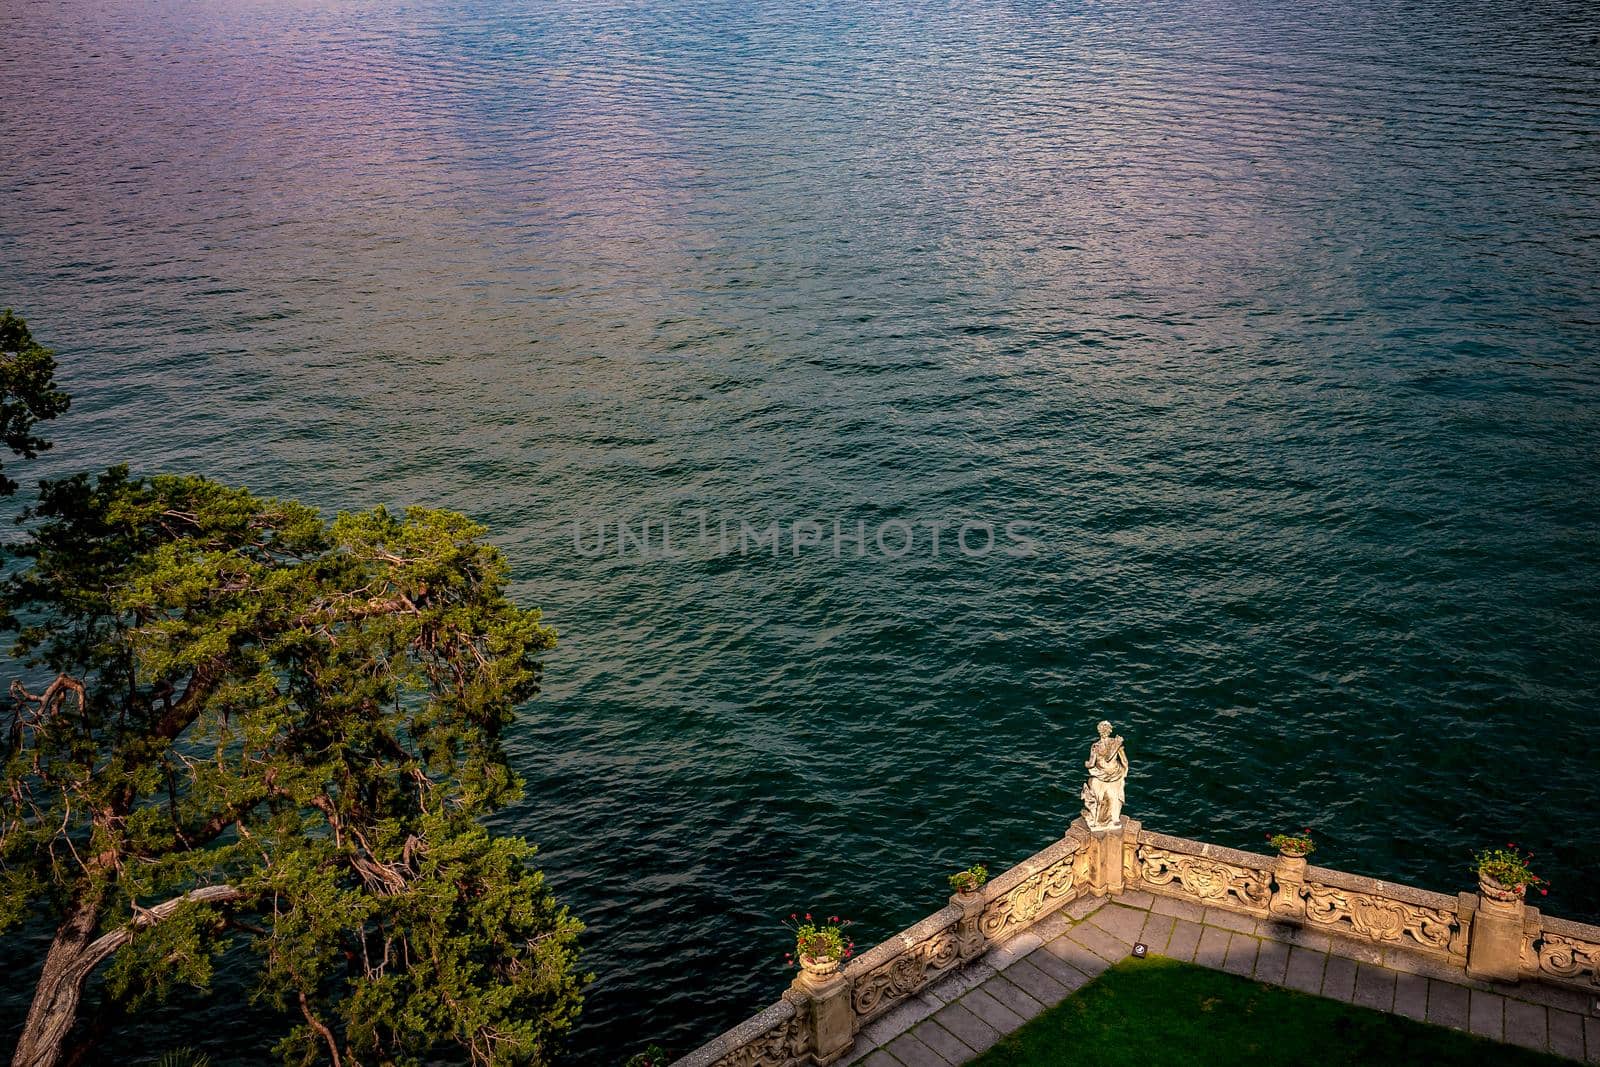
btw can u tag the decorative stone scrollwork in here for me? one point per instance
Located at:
(908, 973)
(785, 1045)
(969, 939)
(1028, 899)
(1082, 869)
(1288, 887)
(1380, 918)
(1570, 959)
(1205, 879)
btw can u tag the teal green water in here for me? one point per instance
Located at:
(1278, 325)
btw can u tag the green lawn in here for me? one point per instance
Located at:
(1158, 1011)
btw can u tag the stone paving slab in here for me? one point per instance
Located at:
(991, 1011)
(1527, 1024)
(1305, 970)
(1005, 955)
(1411, 996)
(1339, 979)
(1052, 926)
(1082, 906)
(949, 1047)
(1122, 923)
(1036, 983)
(1213, 947)
(972, 1010)
(1241, 957)
(1272, 963)
(1290, 934)
(1374, 988)
(899, 1019)
(858, 1052)
(1574, 1000)
(1487, 1017)
(1566, 1034)
(959, 984)
(1180, 909)
(1078, 956)
(1072, 977)
(966, 1027)
(1447, 1004)
(909, 1050)
(1230, 920)
(1185, 939)
(1099, 942)
(1157, 931)
(1355, 950)
(1012, 996)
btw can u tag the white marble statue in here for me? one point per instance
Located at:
(1103, 792)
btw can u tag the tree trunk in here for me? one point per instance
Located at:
(55, 999)
(73, 956)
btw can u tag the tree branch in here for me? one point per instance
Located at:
(71, 959)
(320, 1027)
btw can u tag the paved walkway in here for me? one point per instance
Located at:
(971, 1010)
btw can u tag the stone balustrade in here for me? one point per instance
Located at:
(1212, 875)
(1483, 938)
(1561, 951)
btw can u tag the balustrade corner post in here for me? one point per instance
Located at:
(1288, 890)
(1494, 946)
(1107, 848)
(970, 942)
(823, 1005)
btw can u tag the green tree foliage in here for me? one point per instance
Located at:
(245, 727)
(28, 392)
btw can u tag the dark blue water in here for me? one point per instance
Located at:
(1279, 324)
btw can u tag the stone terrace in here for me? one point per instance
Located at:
(948, 986)
(968, 1012)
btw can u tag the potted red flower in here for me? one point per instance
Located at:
(1296, 846)
(1504, 874)
(970, 880)
(819, 946)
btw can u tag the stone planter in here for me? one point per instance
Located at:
(1294, 853)
(1489, 889)
(819, 968)
(967, 892)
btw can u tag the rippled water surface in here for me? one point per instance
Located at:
(1278, 322)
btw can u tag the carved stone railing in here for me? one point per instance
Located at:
(810, 1025)
(1563, 952)
(776, 1036)
(1286, 888)
(1036, 887)
(1382, 912)
(818, 1019)
(1206, 874)
(905, 965)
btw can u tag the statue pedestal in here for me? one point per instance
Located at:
(1110, 849)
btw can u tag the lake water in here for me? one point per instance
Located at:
(1279, 325)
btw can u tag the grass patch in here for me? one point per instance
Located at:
(1157, 1010)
